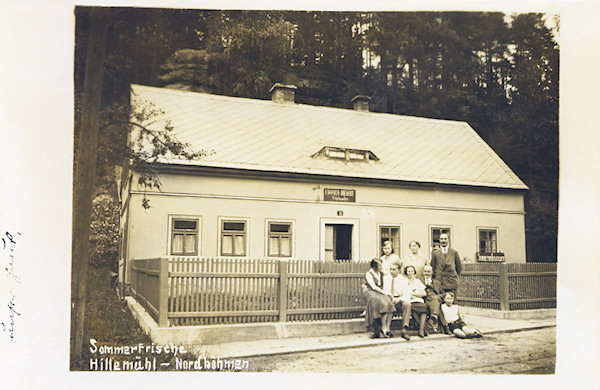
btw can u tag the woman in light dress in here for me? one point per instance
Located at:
(414, 293)
(415, 258)
(388, 257)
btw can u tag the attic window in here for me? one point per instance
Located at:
(346, 154)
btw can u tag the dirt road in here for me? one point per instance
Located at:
(526, 352)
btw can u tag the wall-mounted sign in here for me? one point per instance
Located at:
(490, 257)
(339, 195)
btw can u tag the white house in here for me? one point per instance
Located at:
(300, 181)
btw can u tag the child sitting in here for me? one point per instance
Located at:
(454, 319)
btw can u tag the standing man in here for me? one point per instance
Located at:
(446, 265)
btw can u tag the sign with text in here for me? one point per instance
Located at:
(490, 257)
(339, 195)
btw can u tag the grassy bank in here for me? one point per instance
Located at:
(110, 323)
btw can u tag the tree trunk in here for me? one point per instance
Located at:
(85, 169)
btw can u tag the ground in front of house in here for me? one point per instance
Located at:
(109, 321)
(524, 352)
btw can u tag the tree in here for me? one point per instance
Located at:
(495, 72)
(84, 173)
(102, 117)
(534, 77)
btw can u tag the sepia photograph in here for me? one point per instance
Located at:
(297, 195)
(304, 191)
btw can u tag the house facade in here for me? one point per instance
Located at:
(286, 180)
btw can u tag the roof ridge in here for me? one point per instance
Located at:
(298, 105)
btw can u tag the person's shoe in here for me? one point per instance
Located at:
(375, 336)
(389, 334)
(377, 326)
(422, 333)
(404, 334)
(433, 325)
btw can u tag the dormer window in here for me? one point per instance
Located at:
(358, 156)
(346, 154)
(335, 153)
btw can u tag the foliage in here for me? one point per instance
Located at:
(498, 73)
(109, 321)
(104, 232)
(148, 147)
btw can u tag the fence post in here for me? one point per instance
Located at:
(503, 286)
(163, 292)
(283, 287)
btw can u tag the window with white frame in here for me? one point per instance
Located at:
(488, 240)
(392, 234)
(233, 237)
(435, 236)
(184, 236)
(279, 239)
(346, 154)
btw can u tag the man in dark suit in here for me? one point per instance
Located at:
(434, 297)
(446, 265)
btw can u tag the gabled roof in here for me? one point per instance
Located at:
(263, 135)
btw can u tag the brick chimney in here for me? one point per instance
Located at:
(361, 103)
(282, 93)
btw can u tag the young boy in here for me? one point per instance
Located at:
(454, 319)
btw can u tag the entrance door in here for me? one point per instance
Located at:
(338, 241)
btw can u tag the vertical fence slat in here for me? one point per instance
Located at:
(283, 289)
(503, 287)
(163, 292)
(204, 288)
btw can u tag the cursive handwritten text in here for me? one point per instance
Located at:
(12, 312)
(9, 243)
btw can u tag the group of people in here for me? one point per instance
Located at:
(417, 288)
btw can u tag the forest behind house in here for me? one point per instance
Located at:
(495, 71)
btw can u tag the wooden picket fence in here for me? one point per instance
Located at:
(149, 278)
(508, 286)
(205, 291)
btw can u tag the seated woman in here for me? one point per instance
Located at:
(414, 293)
(454, 320)
(380, 308)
